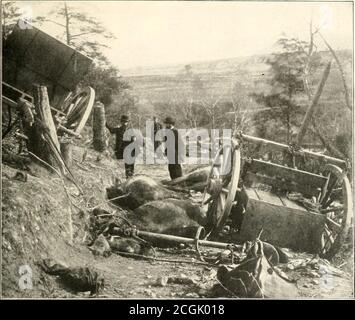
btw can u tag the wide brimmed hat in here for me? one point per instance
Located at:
(124, 118)
(169, 120)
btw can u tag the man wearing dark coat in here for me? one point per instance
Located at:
(177, 144)
(156, 128)
(121, 144)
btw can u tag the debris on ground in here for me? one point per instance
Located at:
(78, 279)
(100, 246)
(255, 277)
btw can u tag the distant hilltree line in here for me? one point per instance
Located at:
(202, 100)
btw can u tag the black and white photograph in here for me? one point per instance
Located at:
(177, 150)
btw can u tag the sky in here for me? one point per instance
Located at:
(168, 32)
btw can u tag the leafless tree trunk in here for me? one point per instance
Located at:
(346, 90)
(327, 144)
(67, 24)
(313, 105)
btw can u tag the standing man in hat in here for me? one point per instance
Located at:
(156, 127)
(176, 144)
(122, 144)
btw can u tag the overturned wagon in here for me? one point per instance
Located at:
(294, 208)
(33, 57)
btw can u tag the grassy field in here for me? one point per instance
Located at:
(177, 89)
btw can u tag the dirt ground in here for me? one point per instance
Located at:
(35, 225)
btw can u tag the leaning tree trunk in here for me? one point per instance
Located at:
(99, 127)
(311, 109)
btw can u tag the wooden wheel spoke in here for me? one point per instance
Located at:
(334, 226)
(332, 209)
(329, 235)
(223, 185)
(336, 204)
(208, 200)
(222, 200)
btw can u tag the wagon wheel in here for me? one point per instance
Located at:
(222, 185)
(336, 204)
(78, 109)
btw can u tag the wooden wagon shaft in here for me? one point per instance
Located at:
(66, 130)
(9, 102)
(204, 243)
(21, 93)
(167, 237)
(58, 111)
(44, 113)
(283, 147)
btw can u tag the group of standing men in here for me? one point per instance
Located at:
(174, 158)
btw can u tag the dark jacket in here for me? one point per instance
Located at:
(120, 144)
(179, 147)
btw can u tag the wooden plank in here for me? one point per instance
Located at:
(20, 94)
(45, 114)
(290, 203)
(251, 179)
(268, 197)
(283, 147)
(9, 102)
(68, 131)
(271, 198)
(286, 173)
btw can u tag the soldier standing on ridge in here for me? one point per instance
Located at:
(121, 144)
(157, 127)
(174, 162)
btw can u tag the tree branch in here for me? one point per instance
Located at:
(81, 34)
(313, 105)
(346, 93)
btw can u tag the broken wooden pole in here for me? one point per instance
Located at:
(284, 147)
(44, 108)
(66, 151)
(68, 131)
(313, 105)
(43, 126)
(170, 238)
(99, 127)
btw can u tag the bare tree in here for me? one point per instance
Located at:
(81, 31)
(346, 90)
(310, 67)
(9, 14)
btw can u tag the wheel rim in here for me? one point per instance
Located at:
(79, 109)
(222, 187)
(336, 205)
